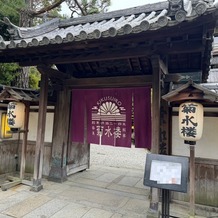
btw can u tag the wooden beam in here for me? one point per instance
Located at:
(164, 144)
(102, 55)
(31, 56)
(156, 97)
(163, 67)
(175, 77)
(126, 81)
(58, 171)
(12, 181)
(24, 143)
(89, 56)
(39, 150)
(192, 181)
(53, 73)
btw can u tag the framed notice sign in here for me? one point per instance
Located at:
(166, 172)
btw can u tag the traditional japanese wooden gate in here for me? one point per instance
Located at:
(149, 44)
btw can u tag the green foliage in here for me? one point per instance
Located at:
(85, 7)
(8, 73)
(97, 6)
(11, 9)
(34, 78)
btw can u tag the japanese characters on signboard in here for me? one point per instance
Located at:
(109, 120)
(106, 116)
(109, 117)
(191, 121)
(15, 114)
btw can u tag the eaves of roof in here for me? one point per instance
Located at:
(134, 20)
(208, 92)
(9, 93)
(18, 94)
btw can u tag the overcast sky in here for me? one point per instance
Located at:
(117, 4)
(121, 4)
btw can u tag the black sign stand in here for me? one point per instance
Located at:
(156, 167)
(165, 203)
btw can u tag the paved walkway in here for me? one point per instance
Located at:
(100, 192)
(111, 188)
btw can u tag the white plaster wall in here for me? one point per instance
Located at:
(33, 122)
(206, 147)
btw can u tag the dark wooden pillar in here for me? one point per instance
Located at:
(165, 112)
(58, 172)
(39, 150)
(156, 99)
(165, 121)
(24, 143)
(156, 96)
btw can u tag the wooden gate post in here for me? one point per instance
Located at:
(58, 172)
(156, 97)
(24, 143)
(192, 181)
(39, 150)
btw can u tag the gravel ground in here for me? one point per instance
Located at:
(133, 158)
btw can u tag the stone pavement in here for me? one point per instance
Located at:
(100, 192)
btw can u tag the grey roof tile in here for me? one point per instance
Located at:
(144, 18)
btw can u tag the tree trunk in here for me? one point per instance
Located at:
(23, 78)
(25, 21)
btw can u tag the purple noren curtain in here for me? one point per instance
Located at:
(108, 113)
(142, 117)
(109, 116)
(77, 116)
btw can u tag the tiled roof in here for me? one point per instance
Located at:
(14, 93)
(9, 93)
(213, 76)
(134, 20)
(208, 90)
(213, 87)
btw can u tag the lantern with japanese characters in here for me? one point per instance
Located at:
(191, 121)
(15, 114)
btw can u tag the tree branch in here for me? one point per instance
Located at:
(48, 8)
(81, 9)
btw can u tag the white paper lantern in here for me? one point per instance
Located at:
(191, 121)
(15, 114)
